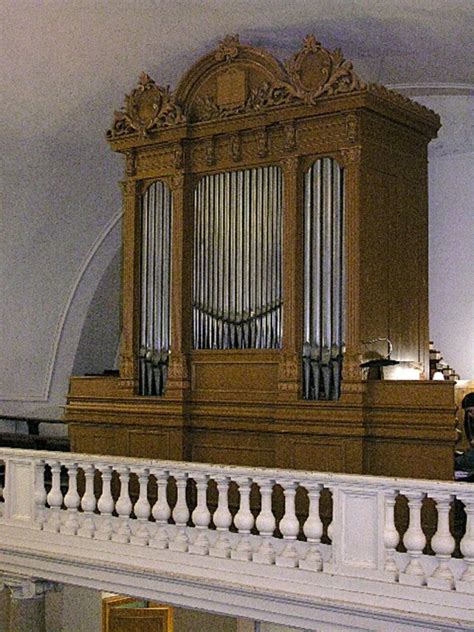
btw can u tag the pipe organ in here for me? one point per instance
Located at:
(275, 218)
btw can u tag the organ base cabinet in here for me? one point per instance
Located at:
(275, 239)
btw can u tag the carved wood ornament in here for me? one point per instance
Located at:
(147, 108)
(312, 73)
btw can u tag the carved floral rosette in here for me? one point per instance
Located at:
(147, 108)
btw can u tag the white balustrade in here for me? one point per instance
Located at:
(289, 527)
(443, 544)
(363, 528)
(71, 502)
(40, 493)
(467, 544)
(88, 503)
(54, 498)
(414, 541)
(243, 520)
(201, 516)
(391, 537)
(105, 504)
(313, 530)
(180, 513)
(142, 508)
(222, 519)
(123, 507)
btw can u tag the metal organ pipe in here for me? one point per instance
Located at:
(237, 259)
(323, 280)
(155, 289)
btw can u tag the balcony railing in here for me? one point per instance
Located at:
(300, 531)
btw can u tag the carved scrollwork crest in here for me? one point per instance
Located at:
(314, 71)
(147, 108)
(228, 48)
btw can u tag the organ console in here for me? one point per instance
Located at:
(275, 217)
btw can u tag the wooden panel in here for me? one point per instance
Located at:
(253, 449)
(149, 444)
(92, 439)
(409, 459)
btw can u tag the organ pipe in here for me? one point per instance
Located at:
(323, 280)
(155, 301)
(237, 260)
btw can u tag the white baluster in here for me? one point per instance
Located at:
(142, 509)
(180, 514)
(244, 521)
(313, 530)
(222, 519)
(201, 516)
(466, 583)
(71, 500)
(289, 527)
(54, 498)
(443, 544)
(414, 541)
(161, 511)
(88, 503)
(40, 493)
(391, 537)
(123, 507)
(105, 505)
(265, 524)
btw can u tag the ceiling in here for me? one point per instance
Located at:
(66, 63)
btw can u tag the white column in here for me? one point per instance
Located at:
(180, 513)
(414, 541)
(466, 582)
(142, 509)
(443, 544)
(71, 500)
(244, 521)
(123, 507)
(161, 510)
(201, 516)
(313, 530)
(222, 519)
(265, 524)
(391, 537)
(105, 505)
(54, 498)
(289, 527)
(88, 503)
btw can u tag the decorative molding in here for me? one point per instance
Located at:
(261, 138)
(147, 108)
(236, 147)
(403, 101)
(289, 132)
(210, 151)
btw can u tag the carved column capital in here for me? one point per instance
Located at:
(129, 189)
(176, 181)
(27, 587)
(351, 155)
(289, 131)
(290, 165)
(130, 163)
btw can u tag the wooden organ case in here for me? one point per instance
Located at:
(275, 219)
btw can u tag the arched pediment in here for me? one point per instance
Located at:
(228, 80)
